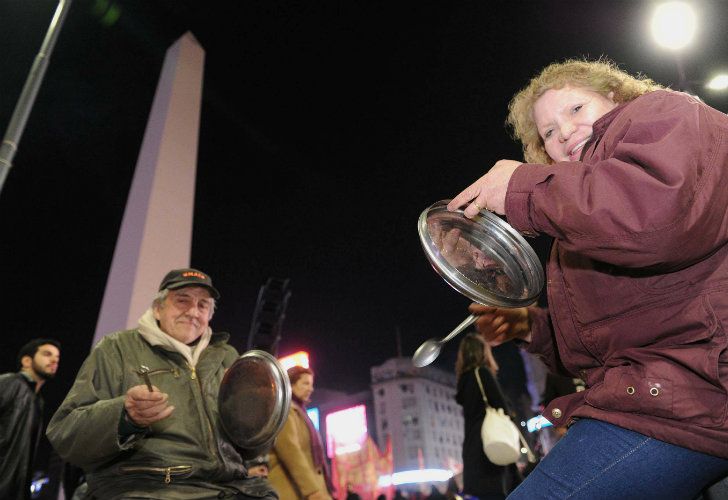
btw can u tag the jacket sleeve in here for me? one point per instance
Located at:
(542, 340)
(84, 429)
(288, 449)
(657, 199)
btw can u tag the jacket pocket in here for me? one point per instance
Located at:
(626, 389)
(165, 474)
(679, 383)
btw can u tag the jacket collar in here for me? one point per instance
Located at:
(600, 126)
(31, 382)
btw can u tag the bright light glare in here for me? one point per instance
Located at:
(299, 358)
(720, 82)
(673, 25)
(415, 476)
(346, 430)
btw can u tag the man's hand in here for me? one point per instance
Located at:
(488, 192)
(498, 325)
(144, 407)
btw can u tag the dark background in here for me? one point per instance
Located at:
(326, 128)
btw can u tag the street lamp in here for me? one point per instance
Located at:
(673, 25)
(718, 82)
(14, 132)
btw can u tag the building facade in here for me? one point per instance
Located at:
(416, 407)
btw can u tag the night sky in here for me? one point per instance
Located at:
(326, 128)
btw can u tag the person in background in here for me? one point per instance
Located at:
(298, 468)
(482, 479)
(21, 414)
(142, 416)
(631, 182)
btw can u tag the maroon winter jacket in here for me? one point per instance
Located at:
(638, 274)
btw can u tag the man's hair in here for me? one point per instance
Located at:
(31, 348)
(162, 294)
(602, 76)
(295, 372)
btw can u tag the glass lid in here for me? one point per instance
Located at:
(483, 258)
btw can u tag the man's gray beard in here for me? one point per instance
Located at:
(41, 373)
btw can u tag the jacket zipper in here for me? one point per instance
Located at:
(169, 472)
(210, 434)
(173, 371)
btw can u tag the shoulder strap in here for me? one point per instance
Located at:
(480, 384)
(524, 443)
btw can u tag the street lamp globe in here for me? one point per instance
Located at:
(673, 24)
(718, 82)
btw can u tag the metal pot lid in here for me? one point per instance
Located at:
(483, 258)
(254, 399)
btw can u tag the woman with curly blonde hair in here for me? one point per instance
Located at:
(603, 77)
(631, 182)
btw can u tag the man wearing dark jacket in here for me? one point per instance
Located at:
(142, 417)
(21, 414)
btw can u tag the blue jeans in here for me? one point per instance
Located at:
(596, 460)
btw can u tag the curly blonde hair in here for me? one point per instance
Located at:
(602, 76)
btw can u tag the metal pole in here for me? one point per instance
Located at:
(27, 97)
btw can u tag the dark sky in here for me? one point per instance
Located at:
(326, 128)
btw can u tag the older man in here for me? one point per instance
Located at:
(142, 419)
(21, 414)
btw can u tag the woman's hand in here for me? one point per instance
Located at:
(498, 325)
(488, 192)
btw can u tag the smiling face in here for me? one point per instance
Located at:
(564, 118)
(184, 314)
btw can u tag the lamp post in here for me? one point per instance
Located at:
(9, 146)
(673, 26)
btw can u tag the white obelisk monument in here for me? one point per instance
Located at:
(156, 230)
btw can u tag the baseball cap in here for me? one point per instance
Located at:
(180, 278)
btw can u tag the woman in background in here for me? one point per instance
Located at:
(482, 479)
(298, 468)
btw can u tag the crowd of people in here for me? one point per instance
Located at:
(631, 182)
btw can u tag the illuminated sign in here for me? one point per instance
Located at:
(299, 358)
(346, 430)
(537, 423)
(313, 414)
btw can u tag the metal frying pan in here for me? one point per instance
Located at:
(254, 399)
